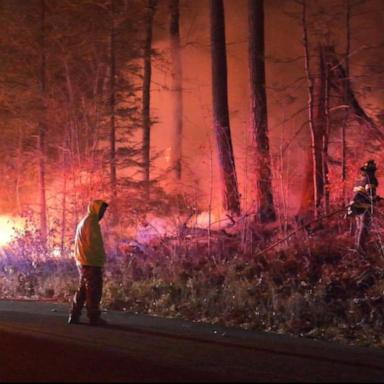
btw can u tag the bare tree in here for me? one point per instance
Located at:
(341, 83)
(176, 88)
(220, 108)
(42, 121)
(343, 127)
(112, 104)
(316, 113)
(325, 117)
(259, 116)
(64, 199)
(146, 98)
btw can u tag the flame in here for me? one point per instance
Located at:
(8, 227)
(56, 252)
(215, 219)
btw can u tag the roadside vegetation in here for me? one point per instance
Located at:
(313, 284)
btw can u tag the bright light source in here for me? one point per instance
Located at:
(56, 252)
(8, 227)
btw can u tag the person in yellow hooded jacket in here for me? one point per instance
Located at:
(90, 259)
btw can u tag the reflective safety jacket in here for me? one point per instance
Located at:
(89, 246)
(365, 194)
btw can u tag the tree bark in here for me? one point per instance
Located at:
(316, 116)
(326, 97)
(346, 99)
(340, 81)
(220, 109)
(146, 95)
(176, 89)
(64, 202)
(259, 116)
(42, 123)
(112, 104)
(19, 169)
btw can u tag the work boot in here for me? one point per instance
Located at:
(73, 319)
(98, 322)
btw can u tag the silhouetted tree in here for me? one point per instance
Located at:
(146, 99)
(42, 122)
(176, 88)
(316, 113)
(220, 108)
(259, 116)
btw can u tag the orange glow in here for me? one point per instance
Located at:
(56, 252)
(216, 220)
(8, 228)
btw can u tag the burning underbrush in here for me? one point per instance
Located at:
(312, 284)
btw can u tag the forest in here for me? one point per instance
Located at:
(226, 137)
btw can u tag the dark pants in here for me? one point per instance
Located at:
(89, 292)
(363, 224)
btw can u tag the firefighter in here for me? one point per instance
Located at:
(90, 259)
(361, 206)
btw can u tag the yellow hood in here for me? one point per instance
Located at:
(95, 206)
(89, 246)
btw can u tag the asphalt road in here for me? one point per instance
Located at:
(36, 345)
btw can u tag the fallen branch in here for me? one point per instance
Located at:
(300, 228)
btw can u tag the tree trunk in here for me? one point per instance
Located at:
(319, 135)
(307, 195)
(64, 202)
(325, 85)
(19, 169)
(316, 115)
(346, 100)
(146, 102)
(112, 104)
(176, 88)
(341, 82)
(259, 116)
(220, 109)
(42, 124)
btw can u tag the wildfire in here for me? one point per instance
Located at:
(8, 227)
(215, 219)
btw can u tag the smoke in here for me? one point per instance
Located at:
(286, 87)
(199, 147)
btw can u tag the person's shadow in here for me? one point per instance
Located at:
(135, 329)
(184, 335)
